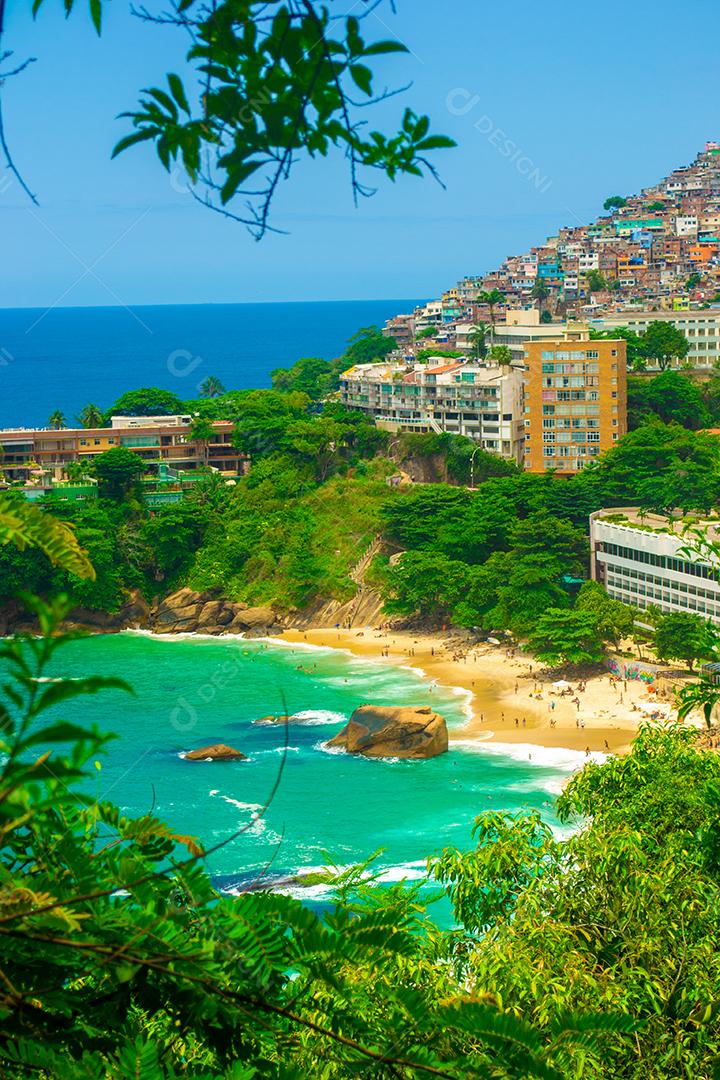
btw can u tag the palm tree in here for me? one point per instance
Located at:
(540, 292)
(91, 417)
(478, 343)
(202, 431)
(57, 420)
(492, 298)
(703, 695)
(211, 387)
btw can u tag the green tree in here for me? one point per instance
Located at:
(172, 535)
(148, 401)
(91, 417)
(415, 519)
(425, 584)
(615, 620)
(118, 472)
(478, 340)
(500, 354)
(596, 281)
(263, 420)
(491, 298)
(319, 442)
(540, 291)
(614, 202)
(202, 432)
(211, 387)
(659, 466)
(684, 636)
(310, 375)
(544, 534)
(530, 586)
(293, 87)
(701, 696)
(368, 346)
(655, 207)
(57, 420)
(636, 359)
(545, 317)
(663, 343)
(566, 637)
(671, 396)
(693, 281)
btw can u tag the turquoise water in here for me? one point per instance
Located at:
(328, 807)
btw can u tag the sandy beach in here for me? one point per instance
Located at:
(512, 696)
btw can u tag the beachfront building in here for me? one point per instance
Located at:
(642, 559)
(27, 453)
(575, 400)
(481, 401)
(701, 328)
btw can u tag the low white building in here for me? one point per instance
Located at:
(642, 559)
(700, 327)
(481, 401)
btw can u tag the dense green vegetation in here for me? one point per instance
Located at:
(660, 345)
(675, 396)
(506, 555)
(588, 957)
(510, 554)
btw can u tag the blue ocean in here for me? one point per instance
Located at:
(63, 358)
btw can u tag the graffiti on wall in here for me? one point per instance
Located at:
(632, 670)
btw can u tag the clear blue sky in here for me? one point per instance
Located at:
(598, 99)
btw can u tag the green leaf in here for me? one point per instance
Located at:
(436, 142)
(71, 688)
(136, 137)
(381, 47)
(178, 92)
(362, 77)
(63, 732)
(96, 14)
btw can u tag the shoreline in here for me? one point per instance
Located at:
(500, 688)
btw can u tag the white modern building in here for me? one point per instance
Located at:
(483, 402)
(642, 559)
(701, 328)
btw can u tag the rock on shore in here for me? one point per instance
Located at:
(190, 612)
(217, 752)
(403, 732)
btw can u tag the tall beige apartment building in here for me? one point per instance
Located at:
(575, 400)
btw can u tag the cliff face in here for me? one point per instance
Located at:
(365, 609)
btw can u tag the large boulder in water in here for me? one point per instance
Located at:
(403, 732)
(218, 752)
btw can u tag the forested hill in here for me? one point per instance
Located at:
(290, 532)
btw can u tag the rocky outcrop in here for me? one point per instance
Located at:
(405, 732)
(132, 615)
(218, 752)
(272, 720)
(187, 611)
